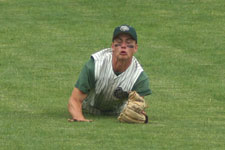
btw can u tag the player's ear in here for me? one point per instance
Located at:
(136, 48)
(112, 45)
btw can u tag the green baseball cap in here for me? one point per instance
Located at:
(125, 29)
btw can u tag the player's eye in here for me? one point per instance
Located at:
(117, 45)
(130, 46)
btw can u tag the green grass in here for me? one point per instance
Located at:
(45, 43)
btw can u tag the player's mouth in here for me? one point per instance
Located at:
(123, 53)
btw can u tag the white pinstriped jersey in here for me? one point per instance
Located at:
(107, 81)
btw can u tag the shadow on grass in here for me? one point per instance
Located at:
(64, 114)
(156, 121)
(55, 114)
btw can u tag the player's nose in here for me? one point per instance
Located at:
(123, 45)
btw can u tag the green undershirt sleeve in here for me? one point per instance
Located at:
(141, 86)
(86, 79)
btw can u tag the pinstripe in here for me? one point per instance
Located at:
(107, 81)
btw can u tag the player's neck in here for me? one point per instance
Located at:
(120, 65)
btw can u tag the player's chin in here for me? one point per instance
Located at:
(123, 57)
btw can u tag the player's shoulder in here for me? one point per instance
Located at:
(143, 76)
(102, 53)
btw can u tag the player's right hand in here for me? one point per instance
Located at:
(81, 120)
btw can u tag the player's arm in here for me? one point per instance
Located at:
(83, 86)
(75, 105)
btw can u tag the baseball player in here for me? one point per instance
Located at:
(96, 90)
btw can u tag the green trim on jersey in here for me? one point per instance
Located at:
(86, 80)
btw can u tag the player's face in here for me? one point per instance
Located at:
(124, 47)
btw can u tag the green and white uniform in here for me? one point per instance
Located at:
(98, 80)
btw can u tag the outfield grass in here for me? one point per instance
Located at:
(45, 43)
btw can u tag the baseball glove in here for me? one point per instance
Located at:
(133, 111)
